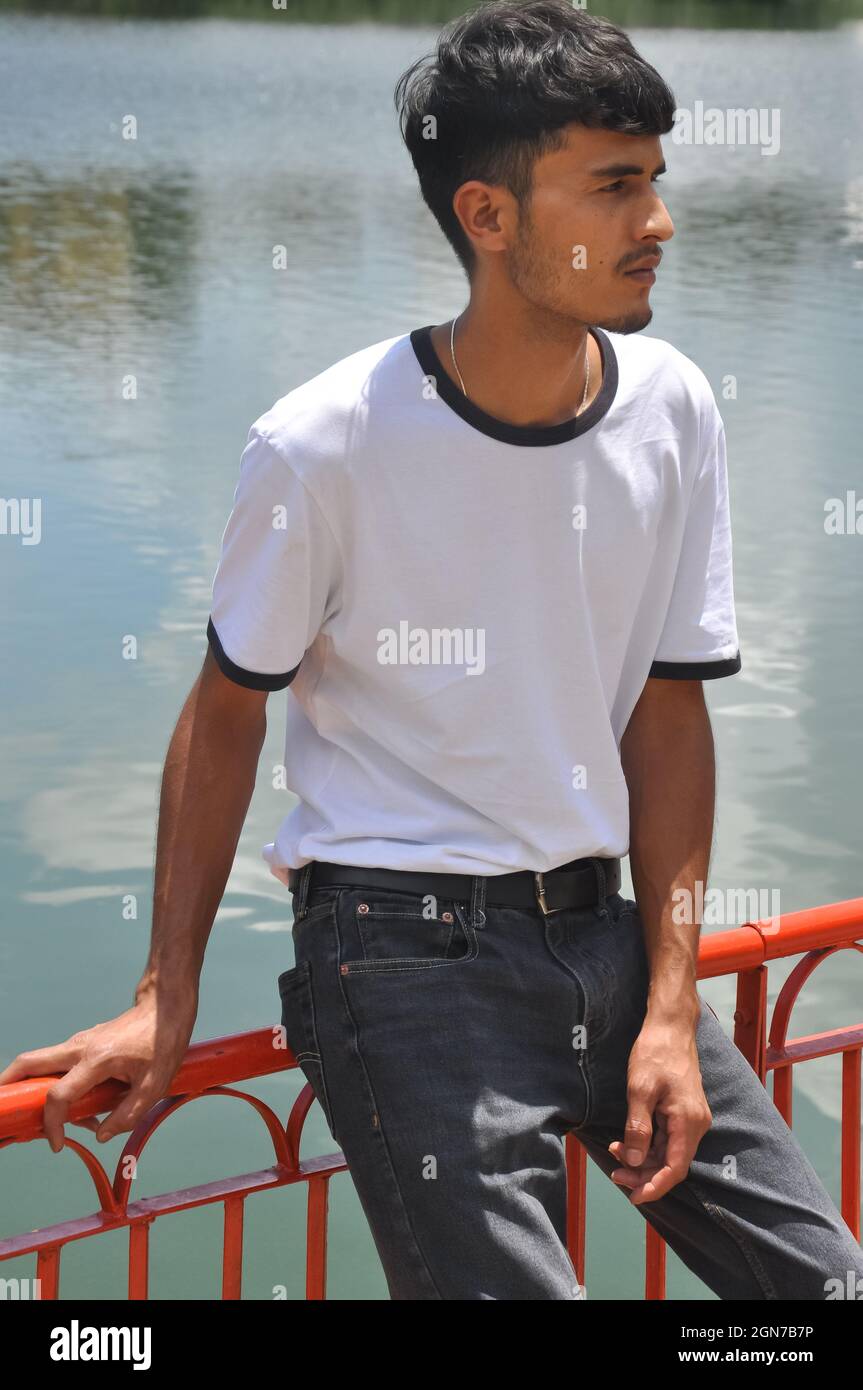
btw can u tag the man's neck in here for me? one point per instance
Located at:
(517, 371)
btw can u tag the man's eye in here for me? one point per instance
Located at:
(614, 187)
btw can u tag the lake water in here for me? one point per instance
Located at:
(153, 257)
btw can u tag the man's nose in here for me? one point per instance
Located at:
(659, 223)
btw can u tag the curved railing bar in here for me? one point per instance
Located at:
(156, 1116)
(790, 991)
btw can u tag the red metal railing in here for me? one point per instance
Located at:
(209, 1067)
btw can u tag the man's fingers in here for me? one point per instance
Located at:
(666, 1162)
(654, 1157)
(685, 1133)
(63, 1059)
(653, 1154)
(43, 1061)
(681, 1143)
(625, 1178)
(633, 1178)
(638, 1130)
(86, 1124)
(648, 1183)
(128, 1112)
(658, 1184)
(76, 1083)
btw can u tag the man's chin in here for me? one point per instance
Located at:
(631, 322)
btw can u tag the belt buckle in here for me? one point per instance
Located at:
(540, 896)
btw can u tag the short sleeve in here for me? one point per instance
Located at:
(278, 573)
(699, 638)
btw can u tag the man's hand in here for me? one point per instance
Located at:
(666, 1099)
(143, 1047)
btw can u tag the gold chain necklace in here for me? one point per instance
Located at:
(586, 364)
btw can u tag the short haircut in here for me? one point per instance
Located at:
(503, 81)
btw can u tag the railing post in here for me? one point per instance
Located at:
(750, 1019)
(576, 1203)
(316, 1238)
(654, 1280)
(139, 1260)
(48, 1271)
(232, 1256)
(851, 1140)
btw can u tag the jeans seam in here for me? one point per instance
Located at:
(748, 1253)
(302, 891)
(374, 912)
(325, 1092)
(313, 914)
(588, 1094)
(301, 975)
(479, 888)
(397, 965)
(583, 1065)
(379, 1129)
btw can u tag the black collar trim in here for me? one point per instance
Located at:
(507, 433)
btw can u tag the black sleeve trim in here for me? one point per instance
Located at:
(253, 680)
(695, 670)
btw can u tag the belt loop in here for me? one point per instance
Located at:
(301, 892)
(600, 883)
(477, 901)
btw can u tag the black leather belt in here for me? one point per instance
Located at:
(576, 884)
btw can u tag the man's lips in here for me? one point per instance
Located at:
(644, 271)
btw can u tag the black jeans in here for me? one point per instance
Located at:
(452, 1053)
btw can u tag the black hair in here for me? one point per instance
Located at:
(503, 81)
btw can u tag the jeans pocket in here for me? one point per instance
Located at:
(298, 1021)
(393, 931)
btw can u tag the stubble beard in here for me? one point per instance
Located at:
(539, 280)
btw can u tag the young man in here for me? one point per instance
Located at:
(491, 560)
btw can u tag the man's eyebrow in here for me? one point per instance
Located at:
(619, 171)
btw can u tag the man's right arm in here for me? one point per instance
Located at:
(207, 784)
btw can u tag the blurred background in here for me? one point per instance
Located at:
(152, 259)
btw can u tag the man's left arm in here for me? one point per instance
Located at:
(668, 761)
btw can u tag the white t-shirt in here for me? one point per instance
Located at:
(465, 611)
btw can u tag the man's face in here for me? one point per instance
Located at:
(586, 224)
